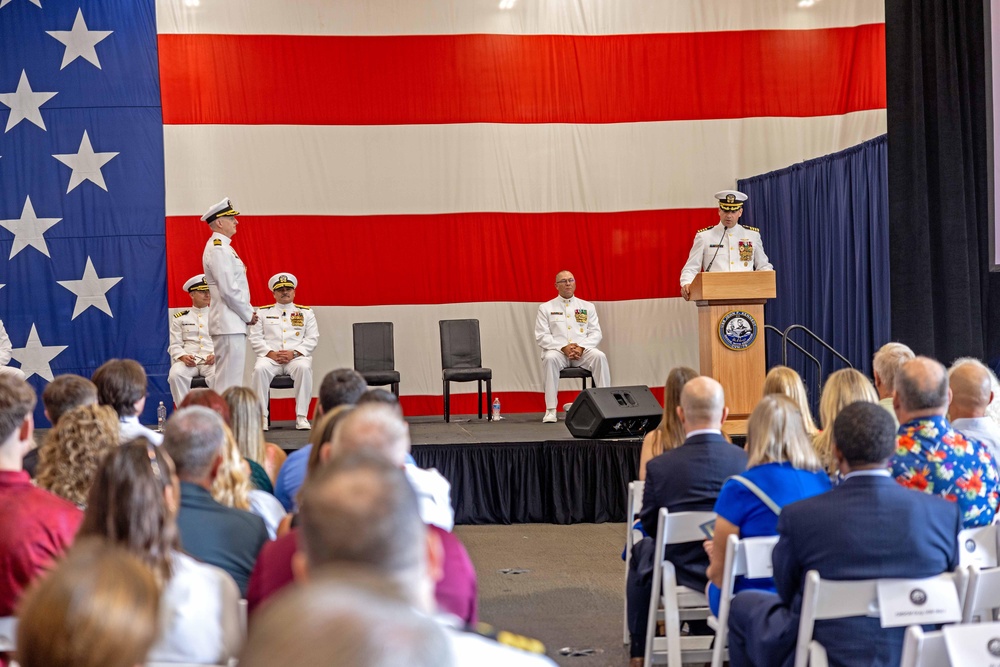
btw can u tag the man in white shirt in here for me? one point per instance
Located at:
(6, 349)
(726, 246)
(191, 351)
(229, 312)
(284, 338)
(121, 384)
(971, 395)
(568, 331)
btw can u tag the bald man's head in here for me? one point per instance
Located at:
(373, 427)
(703, 404)
(921, 389)
(971, 390)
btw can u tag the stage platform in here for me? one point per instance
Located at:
(516, 470)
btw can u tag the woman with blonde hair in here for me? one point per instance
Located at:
(72, 451)
(781, 468)
(247, 424)
(669, 434)
(842, 388)
(784, 380)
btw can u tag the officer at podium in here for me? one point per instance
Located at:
(727, 246)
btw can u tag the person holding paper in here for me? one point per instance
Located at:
(868, 527)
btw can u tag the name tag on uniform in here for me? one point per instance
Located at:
(555, 312)
(715, 245)
(918, 601)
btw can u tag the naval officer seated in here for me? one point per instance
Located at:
(191, 351)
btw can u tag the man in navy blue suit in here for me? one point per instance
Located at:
(869, 527)
(686, 479)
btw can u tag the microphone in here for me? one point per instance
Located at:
(718, 247)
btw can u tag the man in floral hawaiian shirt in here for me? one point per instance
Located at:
(933, 457)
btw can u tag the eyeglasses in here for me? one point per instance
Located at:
(566, 281)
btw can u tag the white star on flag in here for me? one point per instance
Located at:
(37, 3)
(28, 230)
(24, 103)
(35, 357)
(86, 164)
(79, 41)
(90, 290)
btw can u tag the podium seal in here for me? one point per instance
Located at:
(737, 330)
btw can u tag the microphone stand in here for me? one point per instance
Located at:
(718, 247)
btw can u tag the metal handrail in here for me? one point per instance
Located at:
(785, 340)
(784, 347)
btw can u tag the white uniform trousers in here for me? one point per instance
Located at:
(230, 359)
(300, 369)
(180, 376)
(554, 361)
(10, 370)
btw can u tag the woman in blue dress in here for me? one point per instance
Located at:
(782, 468)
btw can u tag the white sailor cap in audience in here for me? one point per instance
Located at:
(730, 200)
(221, 210)
(196, 284)
(280, 280)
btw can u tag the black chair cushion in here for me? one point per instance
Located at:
(377, 378)
(575, 372)
(467, 374)
(282, 382)
(199, 382)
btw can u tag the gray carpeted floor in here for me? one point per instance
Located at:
(571, 594)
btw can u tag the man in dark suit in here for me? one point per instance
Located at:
(869, 527)
(686, 479)
(213, 533)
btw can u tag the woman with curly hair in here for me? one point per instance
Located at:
(72, 451)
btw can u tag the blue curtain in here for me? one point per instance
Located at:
(825, 225)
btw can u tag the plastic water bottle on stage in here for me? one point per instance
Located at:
(496, 409)
(161, 416)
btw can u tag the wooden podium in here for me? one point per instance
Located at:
(739, 366)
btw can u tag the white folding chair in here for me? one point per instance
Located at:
(922, 649)
(744, 558)
(978, 546)
(8, 633)
(930, 649)
(679, 603)
(825, 599)
(634, 506)
(983, 596)
(243, 619)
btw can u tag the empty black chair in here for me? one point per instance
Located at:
(374, 356)
(572, 372)
(199, 382)
(279, 382)
(462, 361)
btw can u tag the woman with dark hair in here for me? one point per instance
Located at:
(133, 503)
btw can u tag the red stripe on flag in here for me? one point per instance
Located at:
(374, 80)
(450, 258)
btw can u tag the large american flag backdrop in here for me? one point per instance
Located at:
(408, 160)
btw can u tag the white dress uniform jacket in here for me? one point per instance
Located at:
(226, 275)
(284, 327)
(189, 334)
(739, 249)
(6, 350)
(563, 321)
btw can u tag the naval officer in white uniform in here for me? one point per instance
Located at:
(284, 340)
(6, 352)
(191, 351)
(727, 246)
(568, 331)
(229, 312)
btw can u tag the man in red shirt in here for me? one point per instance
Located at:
(36, 526)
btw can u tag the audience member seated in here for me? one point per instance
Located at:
(869, 527)
(785, 381)
(782, 468)
(933, 457)
(121, 384)
(359, 511)
(134, 503)
(669, 434)
(886, 362)
(343, 386)
(98, 608)
(247, 426)
(350, 620)
(74, 450)
(841, 388)
(971, 394)
(682, 480)
(60, 396)
(36, 526)
(213, 533)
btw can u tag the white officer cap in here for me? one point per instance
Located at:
(279, 280)
(730, 200)
(196, 284)
(221, 210)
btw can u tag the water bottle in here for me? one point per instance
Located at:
(496, 409)
(161, 416)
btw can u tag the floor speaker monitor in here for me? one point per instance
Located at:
(602, 412)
